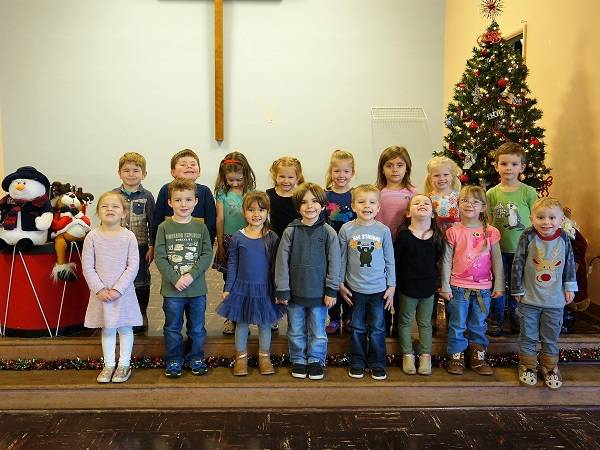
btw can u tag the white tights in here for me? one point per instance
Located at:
(109, 344)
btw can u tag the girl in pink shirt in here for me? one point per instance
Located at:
(472, 264)
(393, 180)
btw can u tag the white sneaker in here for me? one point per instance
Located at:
(106, 375)
(121, 375)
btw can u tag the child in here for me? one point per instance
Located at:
(248, 293)
(472, 259)
(109, 263)
(185, 164)
(418, 249)
(235, 178)
(140, 210)
(543, 280)
(307, 275)
(183, 255)
(338, 212)
(286, 173)
(393, 180)
(443, 185)
(509, 205)
(367, 255)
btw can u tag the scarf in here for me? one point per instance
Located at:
(14, 206)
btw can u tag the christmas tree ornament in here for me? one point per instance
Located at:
(464, 178)
(473, 125)
(450, 122)
(491, 9)
(534, 141)
(502, 82)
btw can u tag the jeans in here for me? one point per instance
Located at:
(109, 343)
(194, 309)
(241, 337)
(467, 314)
(539, 324)
(423, 308)
(307, 339)
(367, 339)
(498, 306)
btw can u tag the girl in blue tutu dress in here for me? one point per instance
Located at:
(248, 294)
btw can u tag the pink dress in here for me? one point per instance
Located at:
(111, 260)
(393, 207)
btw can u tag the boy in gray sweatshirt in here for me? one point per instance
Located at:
(307, 278)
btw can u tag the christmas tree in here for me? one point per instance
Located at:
(492, 106)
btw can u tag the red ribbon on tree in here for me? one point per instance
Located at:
(489, 37)
(544, 192)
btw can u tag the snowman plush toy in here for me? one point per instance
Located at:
(26, 212)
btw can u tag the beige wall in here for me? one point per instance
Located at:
(562, 51)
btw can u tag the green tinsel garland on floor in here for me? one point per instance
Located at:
(156, 362)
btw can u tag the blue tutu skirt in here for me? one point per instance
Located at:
(251, 303)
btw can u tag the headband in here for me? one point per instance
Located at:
(230, 161)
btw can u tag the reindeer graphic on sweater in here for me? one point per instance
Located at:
(545, 268)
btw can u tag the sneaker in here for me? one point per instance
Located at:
(173, 369)
(106, 375)
(346, 328)
(299, 370)
(315, 371)
(378, 373)
(121, 375)
(333, 328)
(198, 367)
(356, 372)
(228, 327)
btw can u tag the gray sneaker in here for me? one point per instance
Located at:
(121, 375)
(106, 375)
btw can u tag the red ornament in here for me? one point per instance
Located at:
(473, 125)
(464, 178)
(460, 85)
(534, 141)
(477, 73)
(484, 51)
(502, 82)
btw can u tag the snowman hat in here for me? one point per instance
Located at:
(26, 173)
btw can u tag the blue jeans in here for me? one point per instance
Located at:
(241, 337)
(194, 309)
(539, 324)
(307, 339)
(467, 314)
(367, 340)
(499, 304)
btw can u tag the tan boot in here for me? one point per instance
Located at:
(424, 364)
(240, 366)
(456, 365)
(527, 370)
(477, 360)
(265, 366)
(550, 372)
(408, 364)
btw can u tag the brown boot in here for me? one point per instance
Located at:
(265, 366)
(477, 360)
(550, 372)
(240, 366)
(456, 365)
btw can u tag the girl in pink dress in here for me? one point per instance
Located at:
(110, 262)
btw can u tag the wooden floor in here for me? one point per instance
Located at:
(312, 429)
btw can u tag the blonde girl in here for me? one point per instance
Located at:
(109, 262)
(248, 294)
(472, 262)
(338, 211)
(286, 173)
(442, 184)
(234, 179)
(393, 180)
(418, 249)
